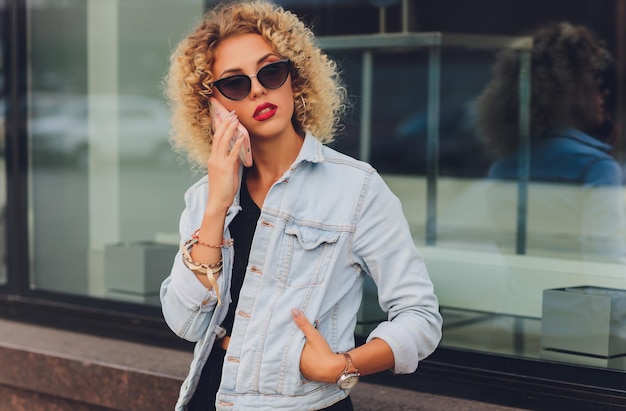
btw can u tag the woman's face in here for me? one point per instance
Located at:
(263, 111)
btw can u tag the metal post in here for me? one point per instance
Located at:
(382, 20)
(523, 155)
(405, 16)
(432, 149)
(366, 106)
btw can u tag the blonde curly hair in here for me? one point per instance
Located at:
(319, 95)
(564, 60)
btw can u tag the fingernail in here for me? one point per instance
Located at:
(295, 312)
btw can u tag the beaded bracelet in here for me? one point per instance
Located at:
(195, 239)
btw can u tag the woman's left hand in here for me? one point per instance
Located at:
(318, 362)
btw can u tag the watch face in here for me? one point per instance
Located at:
(348, 381)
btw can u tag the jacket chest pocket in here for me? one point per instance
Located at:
(306, 255)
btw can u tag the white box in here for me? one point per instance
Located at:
(135, 271)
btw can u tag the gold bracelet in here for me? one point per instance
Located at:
(202, 268)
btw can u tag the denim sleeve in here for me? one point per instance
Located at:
(384, 248)
(186, 303)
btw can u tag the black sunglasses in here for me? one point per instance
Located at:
(271, 76)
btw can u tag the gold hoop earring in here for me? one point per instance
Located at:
(303, 110)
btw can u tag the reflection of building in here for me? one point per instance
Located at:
(412, 117)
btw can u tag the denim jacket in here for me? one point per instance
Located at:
(327, 222)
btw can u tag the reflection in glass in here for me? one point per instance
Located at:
(575, 196)
(510, 302)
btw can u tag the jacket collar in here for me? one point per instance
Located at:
(310, 152)
(581, 137)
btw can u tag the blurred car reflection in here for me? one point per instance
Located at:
(61, 134)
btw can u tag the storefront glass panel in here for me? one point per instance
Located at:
(105, 188)
(523, 266)
(530, 269)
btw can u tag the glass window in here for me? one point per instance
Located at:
(526, 258)
(524, 264)
(105, 188)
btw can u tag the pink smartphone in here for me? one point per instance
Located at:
(245, 154)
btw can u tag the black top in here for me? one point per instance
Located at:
(241, 230)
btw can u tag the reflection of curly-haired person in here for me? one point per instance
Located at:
(318, 93)
(568, 114)
(576, 184)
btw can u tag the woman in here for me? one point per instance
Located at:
(270, 273)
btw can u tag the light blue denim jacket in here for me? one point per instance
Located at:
(327, 222)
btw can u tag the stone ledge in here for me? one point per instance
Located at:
(48, 369)
(50, 365)
(17, 399)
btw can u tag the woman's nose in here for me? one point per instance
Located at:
(256, 88)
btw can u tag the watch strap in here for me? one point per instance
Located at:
(350, 368)
(350, 375)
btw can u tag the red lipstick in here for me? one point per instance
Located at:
(264, 111)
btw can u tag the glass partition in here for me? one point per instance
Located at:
(105, 188)
(521, 266)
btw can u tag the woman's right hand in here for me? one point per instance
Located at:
(223, 164)
(223, 174)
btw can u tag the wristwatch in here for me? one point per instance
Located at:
(350, 376)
